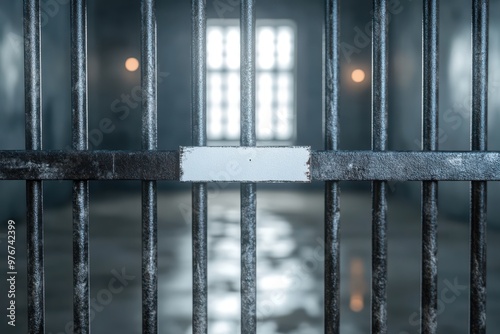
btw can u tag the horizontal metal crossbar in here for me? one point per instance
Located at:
(405, 166)
(89, 165)
(325, 165)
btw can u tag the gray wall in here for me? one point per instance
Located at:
(455, 92)
(56, 90)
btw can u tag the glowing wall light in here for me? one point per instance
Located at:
(132, 64)
(358, 75)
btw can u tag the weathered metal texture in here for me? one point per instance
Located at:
(149, 191)
(478, 219)
(332, 191)
(36, 276)
(79, 82)
(199, 190)
(379, 143)
(200, 258)
(405, 166)
(89, 165)
(34, 188)
(430, 136)
(325, 165)
(248, 258)
(81, 273)
(248, 190)
(149, 258)
(150, 165)
(429, 258)
(245, 164)
(247, 71)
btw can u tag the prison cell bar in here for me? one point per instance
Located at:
(81, 310)
(478, 217)
(379, 143)
(332, 209)
(149, 194)
(430, 109)
(34, 188)
(248, 190)
(199, 190)
(325, 165)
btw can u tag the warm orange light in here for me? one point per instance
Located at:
(357, 285)
(357, 303)
(358, 76)
(132, 64)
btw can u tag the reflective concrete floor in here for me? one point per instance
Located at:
(290, 266)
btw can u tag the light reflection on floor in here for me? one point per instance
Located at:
(289, 299)
(291, 260)
(290, 265)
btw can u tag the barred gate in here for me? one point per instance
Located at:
(259, 164)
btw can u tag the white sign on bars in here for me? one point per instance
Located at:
(245, 164)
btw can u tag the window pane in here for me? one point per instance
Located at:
(264, 123)
(214, 89)
(214, 123)
(265, 48)
(214, 47)
(275, 76)
(265, 89)
(233, 48)
(285, 47)
(233, 89)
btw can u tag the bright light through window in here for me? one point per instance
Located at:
(275, 80)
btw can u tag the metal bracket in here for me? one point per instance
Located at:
(245, 164)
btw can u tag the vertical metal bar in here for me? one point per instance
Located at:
(149, 194)
(199, 190)
(430, 106)
(248, 190)
(81, 310)
(332, 207)
(379, 143)
(34, 189)
(480, 12)
(248, 73)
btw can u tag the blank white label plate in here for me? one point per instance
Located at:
(245, 164)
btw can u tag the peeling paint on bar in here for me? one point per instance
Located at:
(245, 164)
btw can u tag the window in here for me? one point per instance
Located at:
(275, 81)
